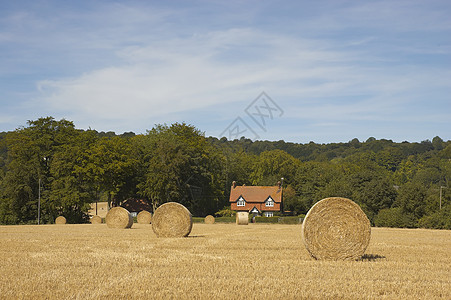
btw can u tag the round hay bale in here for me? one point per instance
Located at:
(119, 217)
(172, 220)
(96, 220)
(209, 219)
(242, 218)
(144, 217)
(60, 220)
(336, 229)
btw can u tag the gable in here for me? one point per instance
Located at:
(269, 201)
(255, 210)
(240, 201)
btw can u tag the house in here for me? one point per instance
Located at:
(134, 206)
(257, 200)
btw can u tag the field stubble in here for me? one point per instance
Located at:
(221, 261)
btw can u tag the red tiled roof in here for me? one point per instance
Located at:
(256, 194)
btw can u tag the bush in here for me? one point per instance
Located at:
(226, 212)
(438, 220)
(266, 219)
(291, 220)
(279, 220)
(225, 220)
(394, 217)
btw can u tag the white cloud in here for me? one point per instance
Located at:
(182, 75)
(119, 66)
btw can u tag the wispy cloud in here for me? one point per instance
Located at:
(124, 67)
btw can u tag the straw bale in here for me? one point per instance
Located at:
(172, 220)
(242, 218)
(96, 220)
(60, 220)
(119, 217)
(209, 219)
(144, 217)
(336, 229)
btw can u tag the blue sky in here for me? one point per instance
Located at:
(336, 69)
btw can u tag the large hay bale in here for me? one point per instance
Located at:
(60, 220)
(242, 218)
(144, 217)
(172, 220)
(119, 217)
(96, 220)
(336, 229)
(209, 219)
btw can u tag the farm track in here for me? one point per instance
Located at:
(217, 261)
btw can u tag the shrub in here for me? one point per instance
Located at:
(226, 212)
(438, 220)
(291, 220)
(394, 217)
(225, 220)
(266, 219)
(279, 220)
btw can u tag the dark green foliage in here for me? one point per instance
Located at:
(412, 199)
(225, 220)
(279, 220)
(217, 220)
(267, 219)
(438, 220)
(226, 212)
(291, 220)
(396, 184)
(394, 217)
(181, 166)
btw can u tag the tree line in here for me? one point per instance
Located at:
(396, 184)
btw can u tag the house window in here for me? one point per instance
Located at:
(240, 202)
(269, 214)
(269, 202)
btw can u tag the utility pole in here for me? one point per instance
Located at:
(281, 196)
(441, 187)
(39, 201)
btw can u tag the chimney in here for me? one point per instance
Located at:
(233, 184)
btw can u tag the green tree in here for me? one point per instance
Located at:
(437, 143)
(30, 155)
(111, 168)
(273, 165)
(183, 167)
(412, 199)
(71, 189)
(394, 217)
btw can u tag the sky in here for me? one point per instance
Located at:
(299, 71)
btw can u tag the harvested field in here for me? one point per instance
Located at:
(220, 261)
